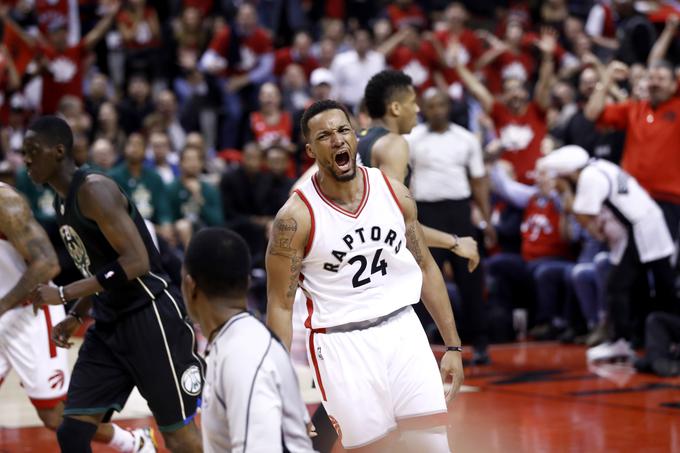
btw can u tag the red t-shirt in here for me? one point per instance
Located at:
(540, 231)
(267, 134)
(419, 65)
(21, 53)
(48, 10)
(412, 15)
(521, 137)
(143, 37)
(650, 153)
(251, 48)
(285, 57)
(471, 50)
(520, 65)
(63, 75)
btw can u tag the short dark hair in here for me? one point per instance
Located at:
(219, 262)
(53, 131)
(319, 107)
(381, 90)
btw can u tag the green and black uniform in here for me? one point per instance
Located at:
(367, 138)
(141, 336)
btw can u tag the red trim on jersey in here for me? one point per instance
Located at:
(48, 403)
(389, 186)
(364, 198)
(312, 349)
(48, 321)
(310, 238)
(312, 352)
(418, 422)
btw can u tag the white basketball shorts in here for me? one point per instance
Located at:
(25, 346)
(375, 379)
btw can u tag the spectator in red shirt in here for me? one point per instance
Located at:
(241, 59)
(62, 64)
(408, 52)
(538, 271)
(520, 122)
(272, 126)
(405, 12)
(49, 10)
(652, 128)
(299, 53)
(469, 45)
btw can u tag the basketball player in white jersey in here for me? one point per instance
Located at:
(349, 237)
(27, 259)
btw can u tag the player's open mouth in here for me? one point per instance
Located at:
(342, 160)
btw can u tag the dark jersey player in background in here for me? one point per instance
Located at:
(140, 337)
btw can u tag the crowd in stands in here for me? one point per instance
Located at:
(193, 106)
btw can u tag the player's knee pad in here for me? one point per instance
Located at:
(74, 436)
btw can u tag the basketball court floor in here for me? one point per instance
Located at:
(535, 397)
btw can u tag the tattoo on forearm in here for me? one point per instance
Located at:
(29, 239)
(295, 266)
(281, 245)
(413, 244)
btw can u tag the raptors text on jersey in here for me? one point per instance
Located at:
(357, 266)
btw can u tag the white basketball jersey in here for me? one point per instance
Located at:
(356, 265)
(12, 265)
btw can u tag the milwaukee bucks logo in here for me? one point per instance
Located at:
(76, 249)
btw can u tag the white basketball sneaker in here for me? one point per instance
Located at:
(610, 351)
(145, 440)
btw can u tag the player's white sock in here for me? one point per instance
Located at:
(123, 440)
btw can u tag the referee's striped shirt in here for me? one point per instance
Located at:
(251, 399)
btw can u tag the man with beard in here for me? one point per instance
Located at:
(350, 239)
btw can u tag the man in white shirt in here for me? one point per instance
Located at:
(602, 186)
(447, 169)
(354, 68)
(251, 398)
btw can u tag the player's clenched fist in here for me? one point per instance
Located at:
(62, 332)
(452, 365)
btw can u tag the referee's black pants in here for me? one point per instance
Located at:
(453, 216)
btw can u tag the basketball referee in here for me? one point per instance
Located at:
(251, 400)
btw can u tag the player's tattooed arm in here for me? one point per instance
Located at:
(433, 293)
(283, 232)
(21, 229)
(284, 262)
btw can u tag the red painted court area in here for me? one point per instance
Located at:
(536, 397)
